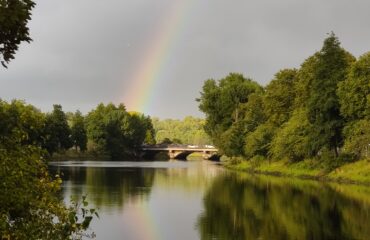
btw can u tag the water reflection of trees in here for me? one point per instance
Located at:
(113, 187)
(243, 207)
(108, 187)
(190, 179)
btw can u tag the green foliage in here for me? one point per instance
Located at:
(279, 96)
(14, 17)
(150, 131)
(253, 112)
(232, 141)
(105, 128)
(150, 137)
(354, 92)
(57, 133)
(135, 127)
(186, 131)
(166, 141)
(177, 141)
(357, 138)
(117, 132)
(292, 139)
(323, 104)
(29, 204)
(305, 76)
(258, 141)
(301, 114)
(78, 132)
(223, 102)
(25, 121)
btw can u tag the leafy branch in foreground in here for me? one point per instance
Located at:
(30, 206)
(14, 17)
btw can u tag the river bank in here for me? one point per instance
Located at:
(355, 173)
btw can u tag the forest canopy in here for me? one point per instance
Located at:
(320, 110)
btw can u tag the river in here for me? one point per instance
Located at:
(188, 200)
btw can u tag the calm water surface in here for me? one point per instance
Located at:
(201, 200)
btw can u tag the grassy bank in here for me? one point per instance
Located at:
(356, 172)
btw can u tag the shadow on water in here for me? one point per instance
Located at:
(240, 206)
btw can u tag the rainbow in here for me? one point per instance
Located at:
(150, 70)
(142, 221)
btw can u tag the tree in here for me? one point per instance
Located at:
(32, 119)
(354, 92)
(305, 76)
(222, 103)
(254, 112)
(233, 141)
(14, 17)
(135, 128)
(150, 131)
(78, 132)
(105, 129)
(117, 132)
(279, 96)
(57, 132)
(323, 104)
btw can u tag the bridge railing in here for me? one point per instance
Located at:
(190, 146)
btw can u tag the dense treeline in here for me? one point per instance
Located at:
(320, 110)
(108, 129)
(29, 204)
(187, 131)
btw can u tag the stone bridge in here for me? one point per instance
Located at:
(180, 151)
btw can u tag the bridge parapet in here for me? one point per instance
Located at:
(181, 151)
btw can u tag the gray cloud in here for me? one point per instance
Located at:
(85, 51)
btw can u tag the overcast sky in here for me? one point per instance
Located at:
(86, 51)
